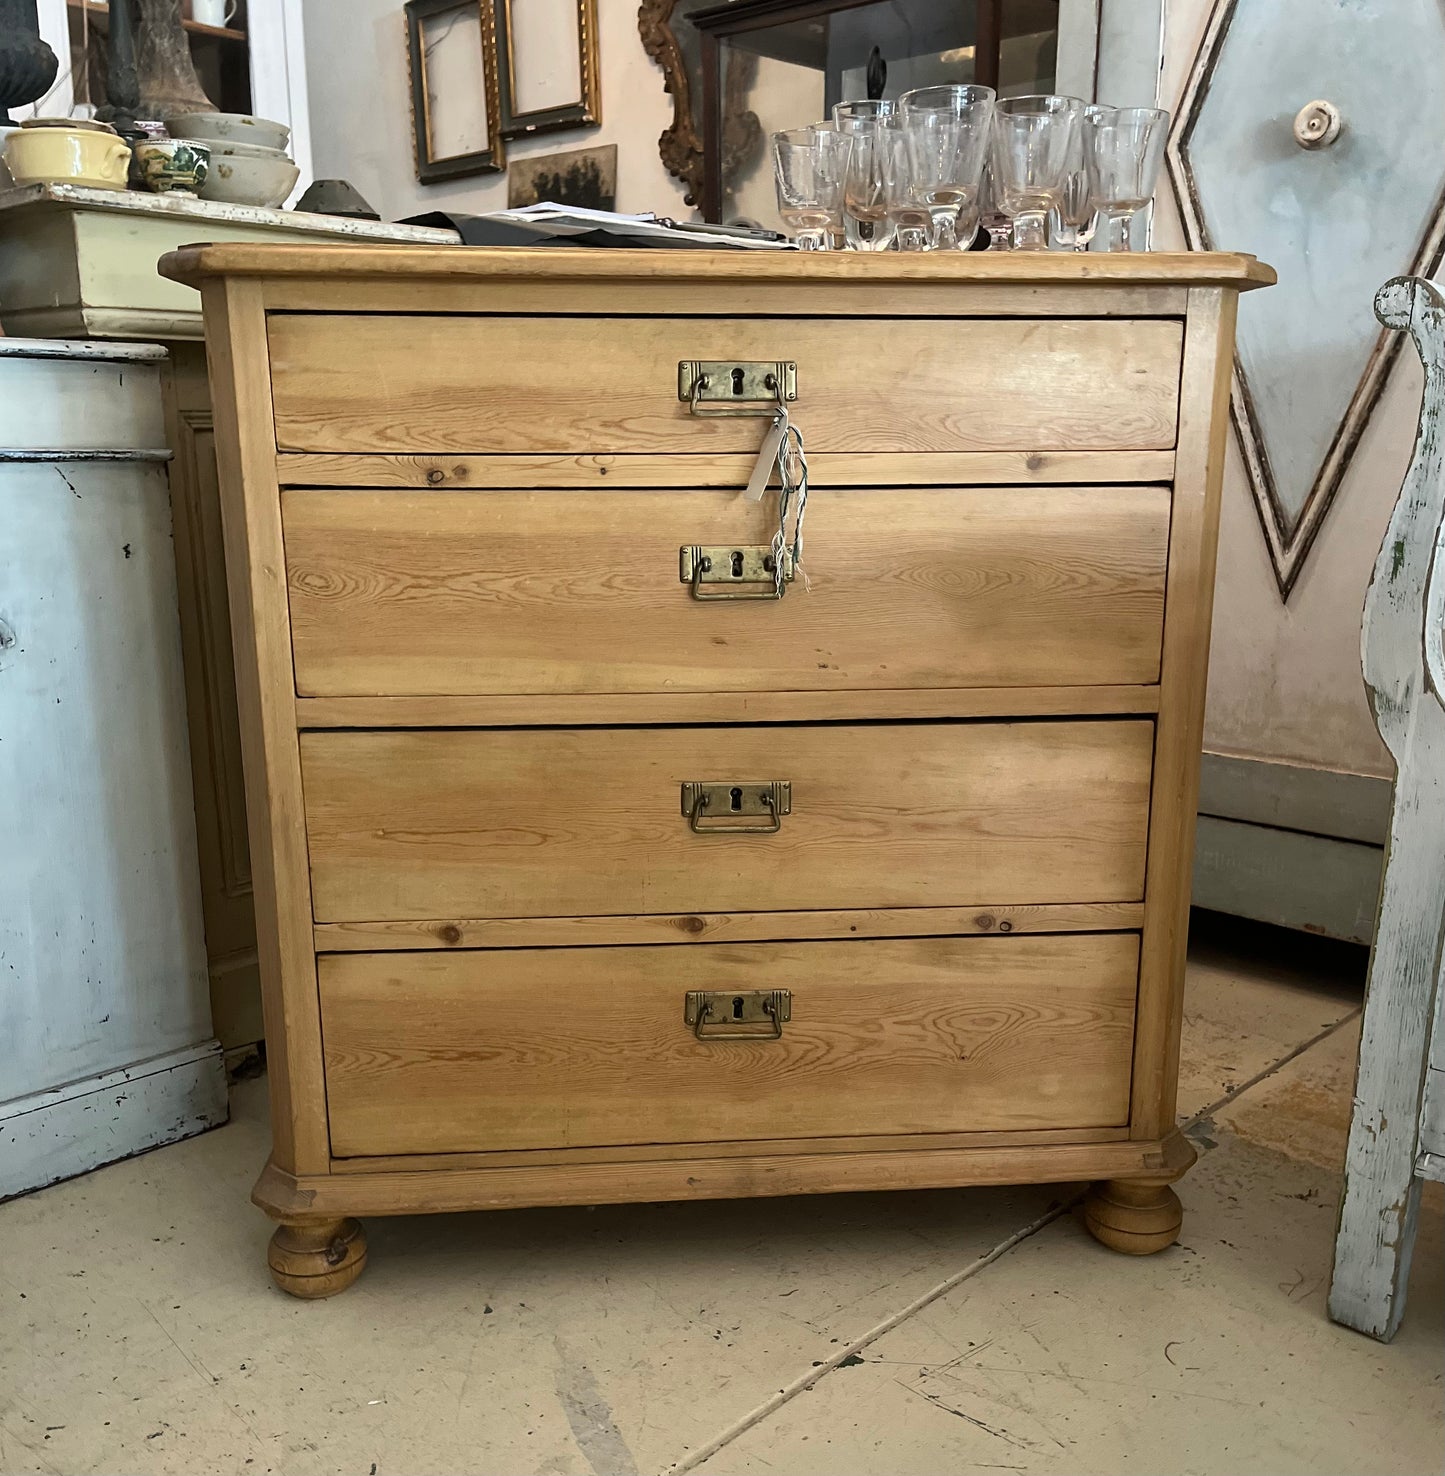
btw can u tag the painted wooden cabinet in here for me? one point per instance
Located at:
(1310, 135)
(106, 1045)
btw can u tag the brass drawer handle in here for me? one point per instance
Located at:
(718, 1014)
(720, 387)
(726, 801)
(748, 572)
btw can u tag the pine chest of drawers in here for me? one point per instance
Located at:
(589, 869)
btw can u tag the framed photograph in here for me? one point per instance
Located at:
(579, 177)
(548, 65)
(455, 97)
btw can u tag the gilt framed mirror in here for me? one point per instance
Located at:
(738, 72)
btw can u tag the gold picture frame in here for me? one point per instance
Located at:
(521, 118)
(455, 94)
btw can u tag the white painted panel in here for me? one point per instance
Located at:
(100, 921)
(79, 404)
(54, 19)
(278, 75)
(58, 1134)
(1336, 221)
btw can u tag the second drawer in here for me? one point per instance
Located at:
(588, 822)
(418, 593)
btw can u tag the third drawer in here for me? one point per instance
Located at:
(594, 821)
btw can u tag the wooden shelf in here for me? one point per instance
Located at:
(100, 17)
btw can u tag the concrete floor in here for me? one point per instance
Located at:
(906, 1335)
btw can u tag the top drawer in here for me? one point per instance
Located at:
(473, 385)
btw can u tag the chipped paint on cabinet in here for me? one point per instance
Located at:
(105, 1030)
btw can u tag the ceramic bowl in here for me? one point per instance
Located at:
(249, 176)
(177, 166)
(54, 151)
(243, 150)
(230, 128)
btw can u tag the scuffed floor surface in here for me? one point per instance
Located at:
(949, 1331)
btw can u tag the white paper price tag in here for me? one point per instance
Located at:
(767, 462)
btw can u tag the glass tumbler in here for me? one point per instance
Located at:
(867, 224)
(1032, 144)
(1123, 148)
(908, 207)
(808, 168)
(947, 133)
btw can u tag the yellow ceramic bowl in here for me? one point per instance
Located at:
(67, 155)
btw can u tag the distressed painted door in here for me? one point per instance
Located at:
(1338, 198)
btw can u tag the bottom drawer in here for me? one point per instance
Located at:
(571, 1047)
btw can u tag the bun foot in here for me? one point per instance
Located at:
(317, 1260)
(1133, 1217)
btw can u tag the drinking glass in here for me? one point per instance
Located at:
(991, 216)
(835, 226)
(1123, 148)
(867, 225)
(863, 110)
(808, 166)
(1071, 222)
(946, 130)
(908, 207)
(1032, 139)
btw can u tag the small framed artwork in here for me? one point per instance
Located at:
(455, 96)
(549, 65)
(579, 177)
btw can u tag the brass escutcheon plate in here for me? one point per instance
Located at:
(736, 381)
(721, 799)
(731, 564)
(737, 1014)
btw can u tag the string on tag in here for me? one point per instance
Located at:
(792, 498)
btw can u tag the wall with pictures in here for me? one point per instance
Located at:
(361, 127)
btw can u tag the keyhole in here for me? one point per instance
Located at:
(735, 797)
(737, 381)
(737, 565)
(737, 1007)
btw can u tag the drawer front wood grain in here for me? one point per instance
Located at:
(584, 822)
(436, 593)
(550, 1048)
(473, 385)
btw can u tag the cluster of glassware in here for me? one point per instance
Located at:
(922, 173)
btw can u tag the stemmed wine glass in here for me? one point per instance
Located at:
(809, 165)
(1123, 148)
(946, 129)
(1032, 143)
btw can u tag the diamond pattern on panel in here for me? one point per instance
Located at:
(1334, 216)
